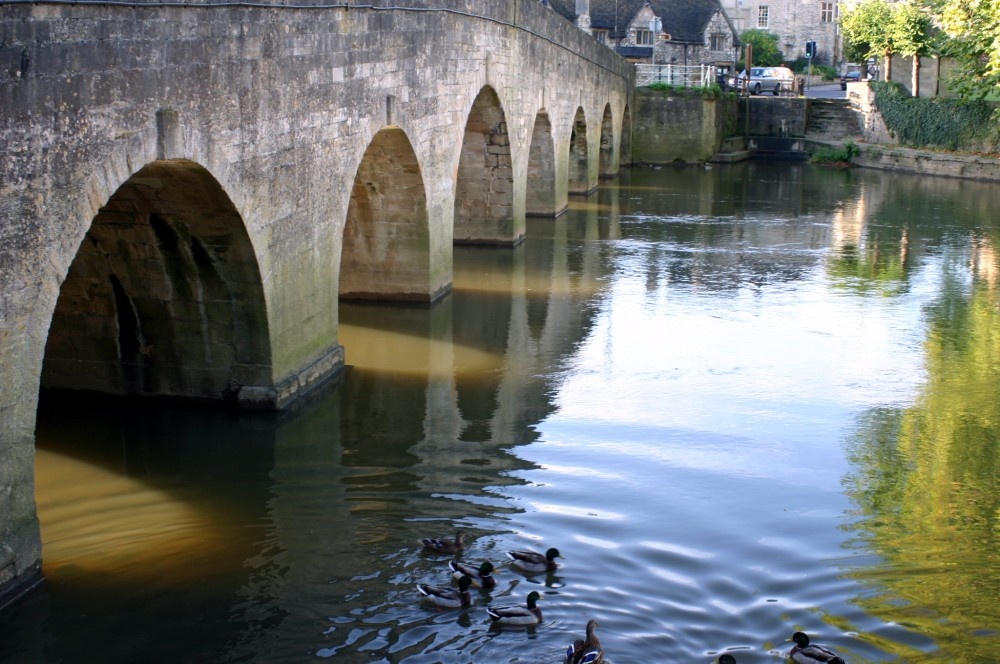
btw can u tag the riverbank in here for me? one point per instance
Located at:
(963, 165)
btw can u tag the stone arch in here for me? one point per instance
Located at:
(606, 157)
(541, 183)
(484, 189)
(164, 296)
(625, 149)
(579, 167)
(385, 253)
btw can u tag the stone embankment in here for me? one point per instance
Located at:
(879, 151)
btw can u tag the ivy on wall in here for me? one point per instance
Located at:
(947, 123)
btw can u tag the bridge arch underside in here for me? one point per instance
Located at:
(484, 191)
(540, 192)
(579, 157)
(164, 297)
(606, 165)
(386, 245)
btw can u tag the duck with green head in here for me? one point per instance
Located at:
(532, 561)
(481, 576)
(810, 653)
(447, 596)
(529, 614)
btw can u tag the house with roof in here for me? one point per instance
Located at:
(691, 32)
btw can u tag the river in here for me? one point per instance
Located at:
(741, 401)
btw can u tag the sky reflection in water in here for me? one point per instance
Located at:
(741, 402)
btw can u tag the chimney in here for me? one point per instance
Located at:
(583, 15)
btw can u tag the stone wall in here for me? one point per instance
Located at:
(768, 116)
(212, 159)
(668, 128)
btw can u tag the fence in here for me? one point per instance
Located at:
(687, 76)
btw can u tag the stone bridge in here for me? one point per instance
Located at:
(189, 188)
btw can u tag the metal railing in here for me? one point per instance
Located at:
(687, 76)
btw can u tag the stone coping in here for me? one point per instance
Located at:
(928, 162)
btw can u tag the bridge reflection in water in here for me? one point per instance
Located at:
(725, 395)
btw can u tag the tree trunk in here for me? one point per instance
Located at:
(915, 82)
(888, 67)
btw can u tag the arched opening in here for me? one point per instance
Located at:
(607, 154)
(386, 249)
(484, 192)
(541, 185)
(164, 297)
(625, 150)
(579, 178)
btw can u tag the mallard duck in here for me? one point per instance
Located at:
(444, 545)
(806, 653)
(446, 596)
(481, 576)
(587, 650)
(727, 659)
(532, 561)
(518, 615)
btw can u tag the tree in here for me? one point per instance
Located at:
(765, 48)
(910, 35)
(866, 28)
(973, 29)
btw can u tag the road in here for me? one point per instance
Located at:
(826, 91)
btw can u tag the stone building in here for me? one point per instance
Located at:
(795, 22)
(706, 31)
(692, 32)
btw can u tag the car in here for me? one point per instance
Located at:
(849, 77)
(768, 79)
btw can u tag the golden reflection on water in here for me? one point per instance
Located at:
(391, 352)
(95, 522)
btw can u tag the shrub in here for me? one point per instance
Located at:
(831, 155)
(934, 123)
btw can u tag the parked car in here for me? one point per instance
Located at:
(767, 79)
(849, 77)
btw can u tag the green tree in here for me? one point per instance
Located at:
(910, 35)
(867, 31)
(973, 30)
(765, 48)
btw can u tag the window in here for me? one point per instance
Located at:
(719, 41)
(601, 36)
(644, 37)
(826, 12)
(762, 16)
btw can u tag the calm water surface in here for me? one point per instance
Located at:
(741, 402)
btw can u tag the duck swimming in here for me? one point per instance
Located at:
(727, 659)
(531, 561)
(518, 615)
(587, 650)
(444, 545)
(481, 576)
(806, 653)
(446, 596)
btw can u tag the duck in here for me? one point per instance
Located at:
(444, 545)
(447, 596)
(726, 659)
(532, 561)
(529, 614)
(587, 650)
(805, 653)
(481, 576)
